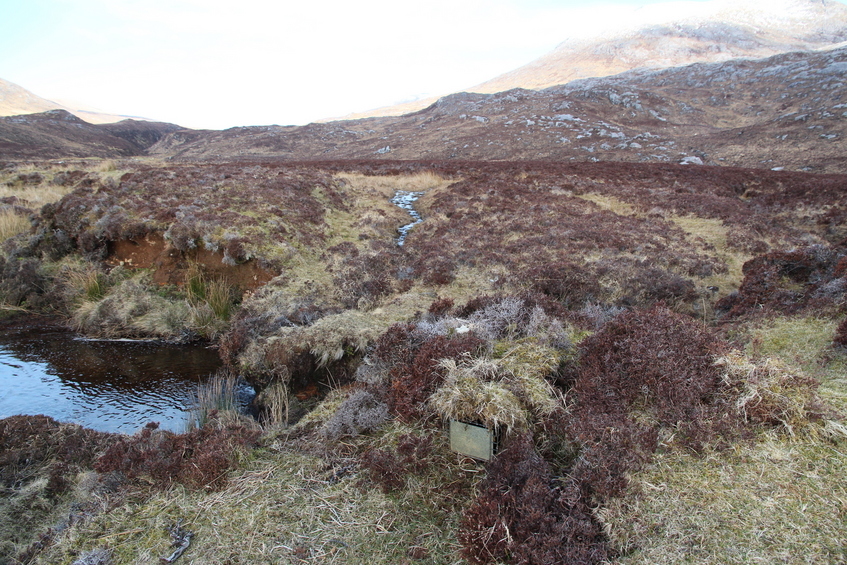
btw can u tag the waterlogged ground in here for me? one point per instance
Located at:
(113, 386)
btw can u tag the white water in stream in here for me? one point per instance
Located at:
(406, 200)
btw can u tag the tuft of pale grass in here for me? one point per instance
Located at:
(89, 283)
(131, 309)
(12, 224)
(204, 321)
(211, 302)
(167, 319)
(219, 298)
(767, 391)
(778, 501)
(276, 402)
(484, 390)
(106, 166)
(195, 284)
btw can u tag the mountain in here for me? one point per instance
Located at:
(16, 100)
(683, 33)
(786, 111)
(58, 133)
(671, 35)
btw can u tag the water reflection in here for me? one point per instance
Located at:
(115, 386)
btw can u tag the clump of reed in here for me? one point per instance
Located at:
(211, 302)
(90, 283)
(216, 400)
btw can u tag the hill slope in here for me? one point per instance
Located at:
(58, 133)
(685, 33)
(671, 35)
(16, 100)
(784, 111)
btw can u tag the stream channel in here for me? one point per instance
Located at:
(406, 200)
(107, 385)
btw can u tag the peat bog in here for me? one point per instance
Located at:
(615, 322)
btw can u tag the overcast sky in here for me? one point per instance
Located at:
(223, 63)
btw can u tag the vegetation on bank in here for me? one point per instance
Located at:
(642, 350)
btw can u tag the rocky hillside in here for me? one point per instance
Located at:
(787, 111)
(671, 35)
(58, 134)
(682, 34)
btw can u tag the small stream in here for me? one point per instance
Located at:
(107, 385)
(406, 200)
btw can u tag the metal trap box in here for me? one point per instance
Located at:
(472, 440)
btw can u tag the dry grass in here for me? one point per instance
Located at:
(488, 391)
(610, 203)
(769, 392)
(284, 507)
(11, 224)
(132, 309)
(388, 185)
(276, 403)
(778, 501)
(805, 344)
(713, 232)
(36, 196)
(218, 396)
(89, 283)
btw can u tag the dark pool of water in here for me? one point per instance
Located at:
(114, 386)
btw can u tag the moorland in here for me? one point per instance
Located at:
(661, 348)
(637, 283)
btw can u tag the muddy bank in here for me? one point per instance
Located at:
(170, 265)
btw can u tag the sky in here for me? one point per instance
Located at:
(224, 63)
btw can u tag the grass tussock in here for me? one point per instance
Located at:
(89, 283)
(276, 403)
(487, 391)
(768, 393)
(12, 224)
(215, 401)
(217, 294)
(34, 196)
(131, 309)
